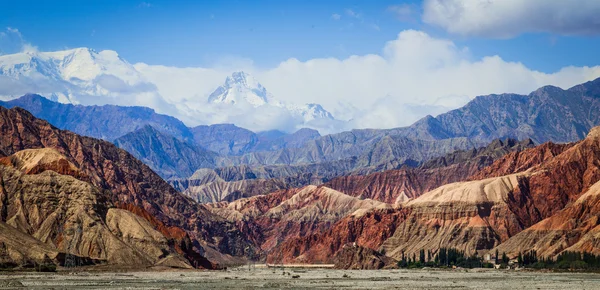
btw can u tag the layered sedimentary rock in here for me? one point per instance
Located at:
(278, 217)
(230, 183)
(397, 186)
(574, 228)
(476, 216)
(61, 214)
(360, 258)
(126, 180)
(575, 184)
(369, 230)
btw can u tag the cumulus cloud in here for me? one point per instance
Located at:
(12, 88)
(413, 75)
(509, 18)
(116, 85)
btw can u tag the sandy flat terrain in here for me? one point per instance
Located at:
(264, 278)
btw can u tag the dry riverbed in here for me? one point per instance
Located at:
(309, 278)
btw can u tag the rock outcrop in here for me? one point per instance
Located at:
(537, 203)
(62, 215)
(125, 180)
(284, 215)
(360, 258)
(397, 186)
(572, 179)
(166, 155)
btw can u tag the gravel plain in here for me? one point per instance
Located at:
(310, 278)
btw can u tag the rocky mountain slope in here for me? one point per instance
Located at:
(287, 214)
(479, 122)
(166, 155)
(566, 195)
(547, 114)
(50, 210)
(128, 182)
(314, 210)
(543, 200)
(228, 139)
(367, 151)
(229, 183)
(388, 156)
(107, 122)
(397, 186)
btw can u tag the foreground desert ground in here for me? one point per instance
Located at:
(242, 278)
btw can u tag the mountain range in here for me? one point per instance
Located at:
(85, 76)
(67, 194)
(547, 114)
(505, 172)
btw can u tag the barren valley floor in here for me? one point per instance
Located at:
(264, 278)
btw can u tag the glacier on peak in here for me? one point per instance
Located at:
(241, 88)
(88, 77)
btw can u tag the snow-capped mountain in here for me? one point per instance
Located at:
(241, 88)
(88, 77)
(314, 111)
(69, 76)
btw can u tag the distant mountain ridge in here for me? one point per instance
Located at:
(166, 155)
(89, 77)
(107, 122)
(547, 114)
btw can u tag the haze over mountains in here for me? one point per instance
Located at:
(84, 76)
(547, 114)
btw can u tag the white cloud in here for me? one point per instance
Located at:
(414, 75)
(404, 12)
(509, 18)
(336, 16)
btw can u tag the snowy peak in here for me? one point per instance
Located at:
(238, 88)
(315, 111)
(89, 77)
(242, 88)
(79, 64)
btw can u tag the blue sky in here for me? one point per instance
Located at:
(202, 33)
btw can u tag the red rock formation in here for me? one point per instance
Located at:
(397, 186)
(126, 179)
(565, 191)
(575, 228)
(520, 161)
(476, 215)
(369, 230)
(69, 216)
(360, 258)
(289, 214)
